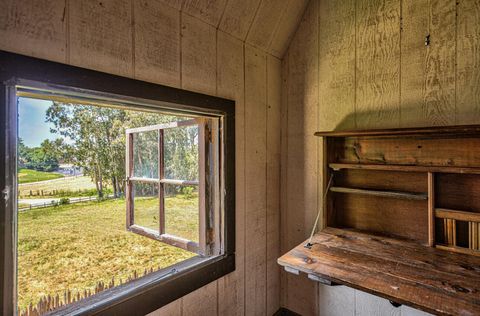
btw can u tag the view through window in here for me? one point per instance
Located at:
(105, 195)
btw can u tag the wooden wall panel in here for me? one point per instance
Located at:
(230, 84)
(208, 11)
(468, 62)
(265, 23)
(35, 28)
(101, 35)
(428, 71)
(302, 162)
(172, 309)
(378, 63)
(273, 179)
(157, 43)
(198, 56)
(286, 27)
(336, 65)
(202, 302)
(238, 17)
(255, 181)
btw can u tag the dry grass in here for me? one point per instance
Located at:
(66, 184)
(75, 246)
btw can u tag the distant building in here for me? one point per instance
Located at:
(70, 170)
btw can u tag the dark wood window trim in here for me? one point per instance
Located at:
(157, 289)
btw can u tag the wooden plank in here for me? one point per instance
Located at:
(101, 35)
(34, 28)
(161, 185)
(208, 11)
(255, 180)
(428, 71)
(161, 126)
(405, 168)
(157, 43)
(458, 192)
(172, 309)
(457, 215)
(468, 62)
(431, 209)
(302, 159)
(286, 27)
(377, 78)
(274, 84)
(238, 16)
(129, 194)
(400, 217)
(265, 23)
(230, 84)
(372, 264)
(201, 302)
(383, 193)
(336, 65)
(198, 56)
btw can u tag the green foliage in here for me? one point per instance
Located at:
(64, 201)
(43, 158)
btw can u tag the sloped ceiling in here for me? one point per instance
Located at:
(265, 24)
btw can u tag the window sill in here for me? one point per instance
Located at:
(151, 292)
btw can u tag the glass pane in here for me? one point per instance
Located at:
(181, 211)
(181, 153)
(146, 205)
(145, 155)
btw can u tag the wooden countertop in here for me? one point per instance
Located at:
(434, 280)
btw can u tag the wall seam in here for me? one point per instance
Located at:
(253, 21)
(400, 66)
(180, 47)
(455, 64)
(67, 31)
(355, 68)
(244, 179)
(132, 25)
(266, 182)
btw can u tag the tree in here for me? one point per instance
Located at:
(43, 158)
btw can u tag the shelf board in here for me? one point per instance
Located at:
(406, 168)
(415, 131)
(383, 193)
(434, 280)
(457, 215)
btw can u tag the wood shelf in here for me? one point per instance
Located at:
(405, 168)
(382, 193)
(457, 215)
(431, 279)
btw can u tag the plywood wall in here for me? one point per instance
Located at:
(364, 64)
(225, 48)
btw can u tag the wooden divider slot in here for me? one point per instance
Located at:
(382, 193)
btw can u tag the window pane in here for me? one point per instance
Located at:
(146, 205)
(181, 153)
(181, 211)
(145, 154)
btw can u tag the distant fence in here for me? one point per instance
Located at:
(57, 202)
(40, 193)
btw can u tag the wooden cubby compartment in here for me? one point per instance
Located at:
(401, 217)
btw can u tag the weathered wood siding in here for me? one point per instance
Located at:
(225, 48)
(364, 64)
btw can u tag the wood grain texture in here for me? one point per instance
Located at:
(230, 84)
(101, 35)
(238, 17)
(428, 71)
(265, 23)
(287, 26)
(255, 181)
(378, 63)
(273, 180)
(468, 62)
(336, 65)
(201, 302)
(172, 309)
(208, 11)
(301, 156)
(157, 43)
(198, 55)
(34, 28)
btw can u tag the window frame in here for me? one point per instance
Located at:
(55, 80)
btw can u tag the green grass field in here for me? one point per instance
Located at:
(75, 246)
(27, 176)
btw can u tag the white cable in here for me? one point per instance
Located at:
(309, 243)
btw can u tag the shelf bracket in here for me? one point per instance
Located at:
(321, 280)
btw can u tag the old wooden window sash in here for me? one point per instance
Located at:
(207, 176)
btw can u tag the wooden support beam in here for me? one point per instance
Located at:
(431, 209)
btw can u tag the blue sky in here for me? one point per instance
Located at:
(32, 127)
